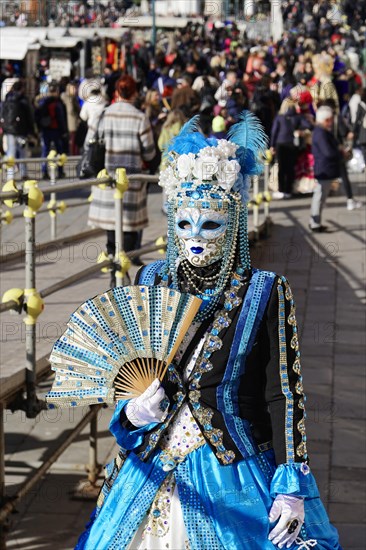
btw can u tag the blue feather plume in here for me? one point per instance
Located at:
(249, 135)
(189, 139)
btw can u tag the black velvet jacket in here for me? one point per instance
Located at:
(268, 394)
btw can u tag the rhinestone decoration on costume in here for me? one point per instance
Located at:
(159, 521)
(184, 427)
(211, 344)
(301, 450)
(289, 415)
(182, 437)
(122, 333)
(285, 384)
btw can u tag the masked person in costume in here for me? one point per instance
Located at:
(214, 457)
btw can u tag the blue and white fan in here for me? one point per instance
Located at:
(117, 343)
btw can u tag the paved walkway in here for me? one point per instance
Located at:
(327, 274)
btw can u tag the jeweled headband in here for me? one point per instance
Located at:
(200, 168)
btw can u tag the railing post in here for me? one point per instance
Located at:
(2, 472)
(30, 285)
(120, 256)
(93, 469)
(34, 303)
(51, 158)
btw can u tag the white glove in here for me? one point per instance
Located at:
(150, 406)
(289, 509)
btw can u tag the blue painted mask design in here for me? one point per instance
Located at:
(201, 234)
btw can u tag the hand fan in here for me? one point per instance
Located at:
(117, 343)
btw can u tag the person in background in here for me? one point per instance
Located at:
(7, 83)
(70, 100)
(282, 145)
(304, 169)
(327, 165)
(359, 127)
(90, 82)
(17, 124)
(265, 103)
(344, 136)
(129, 142)
(152, 109)
(185, 98)
(51, 120)
(222, 93)
(156, 115)
(170, 129)
(354, 103)
(91, 111)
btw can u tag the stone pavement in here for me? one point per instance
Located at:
(327, 275)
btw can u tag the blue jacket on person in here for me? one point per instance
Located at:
(284, 126)
(326, 153)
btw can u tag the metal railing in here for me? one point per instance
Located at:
(31, 301)
(53, 161)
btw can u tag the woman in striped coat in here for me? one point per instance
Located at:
(129, 141)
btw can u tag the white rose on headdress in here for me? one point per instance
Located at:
(227, 174)
(205, 168)
(168, 181)
(226, 149)
(209, 152)
(184, 165)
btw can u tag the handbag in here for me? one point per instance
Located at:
(347, 154)
(80, 133)
(93, 157)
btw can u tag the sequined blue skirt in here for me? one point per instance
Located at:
(224, 507)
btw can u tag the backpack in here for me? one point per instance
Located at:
(11, 115)
(47, 117)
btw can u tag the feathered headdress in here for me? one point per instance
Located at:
(196, 163)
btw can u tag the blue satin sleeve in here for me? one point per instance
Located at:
(128, 439)
(294, 479)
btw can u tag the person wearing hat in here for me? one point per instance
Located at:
(214, 456)
(327, 167)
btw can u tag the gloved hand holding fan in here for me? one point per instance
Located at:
(118, 343)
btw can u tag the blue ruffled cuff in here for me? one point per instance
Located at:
(294, 479)
(128, 439)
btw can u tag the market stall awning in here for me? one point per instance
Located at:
(146, 21)
(63, 42)
(14, 49)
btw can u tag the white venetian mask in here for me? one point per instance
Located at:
(201, 234)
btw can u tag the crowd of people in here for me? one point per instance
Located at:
(217, 72)
(67, 13)
(236, 401)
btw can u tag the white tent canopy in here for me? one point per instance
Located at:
(14, 49)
